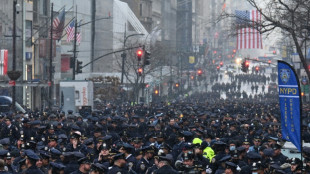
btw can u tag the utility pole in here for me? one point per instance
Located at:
(74, 45)
(14, 53)
(51, 62)
(93, 32)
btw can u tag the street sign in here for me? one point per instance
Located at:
(12, 83)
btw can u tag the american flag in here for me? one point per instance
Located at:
(70, 31)
(78, 37)
(58, 25)
(248, 37)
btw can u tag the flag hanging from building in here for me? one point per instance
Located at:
(58, 25)
(78, 37)
(248, 37)
(70, 31)
(224, 5)
(3, 62)
(290, 102)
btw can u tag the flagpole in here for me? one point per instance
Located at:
(50, 63)
(74, 45)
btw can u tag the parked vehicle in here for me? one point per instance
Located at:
(6, 104)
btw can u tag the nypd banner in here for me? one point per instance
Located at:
(289, 99)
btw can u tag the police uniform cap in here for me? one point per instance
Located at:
(52, 116)
(246, 141)
(240, 148)
(51, 126)
(168, 158)
(276, 146)
(25, 120)
(8, 119)
(99, 167)
(219, 143)
(137, 139)
(188, 156)
(32, 140)
(119, 156)
(160, 135)
(296, 161)
(3, 153)
(62, 136)
(165, 146)
(52, 138)
(70, 111)
(89, 141)
(253, 155)
(273, 138)
(76, 134)
(148, 149)
(225, 158)
(188, 146)
(17, 116)
(55, 152)
(78, 155)
(44, 155)
(75, 127)
(230, 165)
(57, 166)
(84, 160)
(127, 146)
(187, 134)
(35, 122)
(5, 141)
(31, 155)
(104, 146)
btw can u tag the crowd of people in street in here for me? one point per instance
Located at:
(196, 135)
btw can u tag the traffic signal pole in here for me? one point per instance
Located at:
(74, 45)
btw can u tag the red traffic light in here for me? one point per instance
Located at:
(199, 72)
(221, 63)
(140, 71)
(257, 68)
(139, 54)
(247, 63)
(234, 51)
(218, 67)
(274, 52)
(214, 52)
(147, 85)
(269, 61)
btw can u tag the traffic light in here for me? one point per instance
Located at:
(269, 61)
(177, 85)
(221, 63)
(156, 92)
(79, 66)
(218, 68)
(147, 85)
(140, 71)
(245, 66)
(199, 72)
(147, 58)
(192, 77)
(139, 54)
(234, 51)
(257, 68)
(274, 52)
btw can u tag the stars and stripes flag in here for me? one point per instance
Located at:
(248, 37)
(58, 25)
(70, 31)
(78, 37)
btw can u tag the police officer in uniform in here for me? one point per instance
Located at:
(31, 159)
(10, 131)
(145, 162)
(85, 166)
(118, 165)
(127, 150)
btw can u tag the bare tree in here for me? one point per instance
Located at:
(290, 18)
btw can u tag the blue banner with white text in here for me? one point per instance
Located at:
(289, 99)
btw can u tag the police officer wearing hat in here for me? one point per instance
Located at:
(9, 131)
(85, 166)
(127, 150)
(296, 166)
(146, 161)
(164, 165)
(119, 164)
(31, 159)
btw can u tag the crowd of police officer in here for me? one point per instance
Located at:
(190, 136)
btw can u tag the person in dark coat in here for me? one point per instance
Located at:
(165, 166)
(2, 164)
(118, 165)
(31, 159)
(85, 166)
